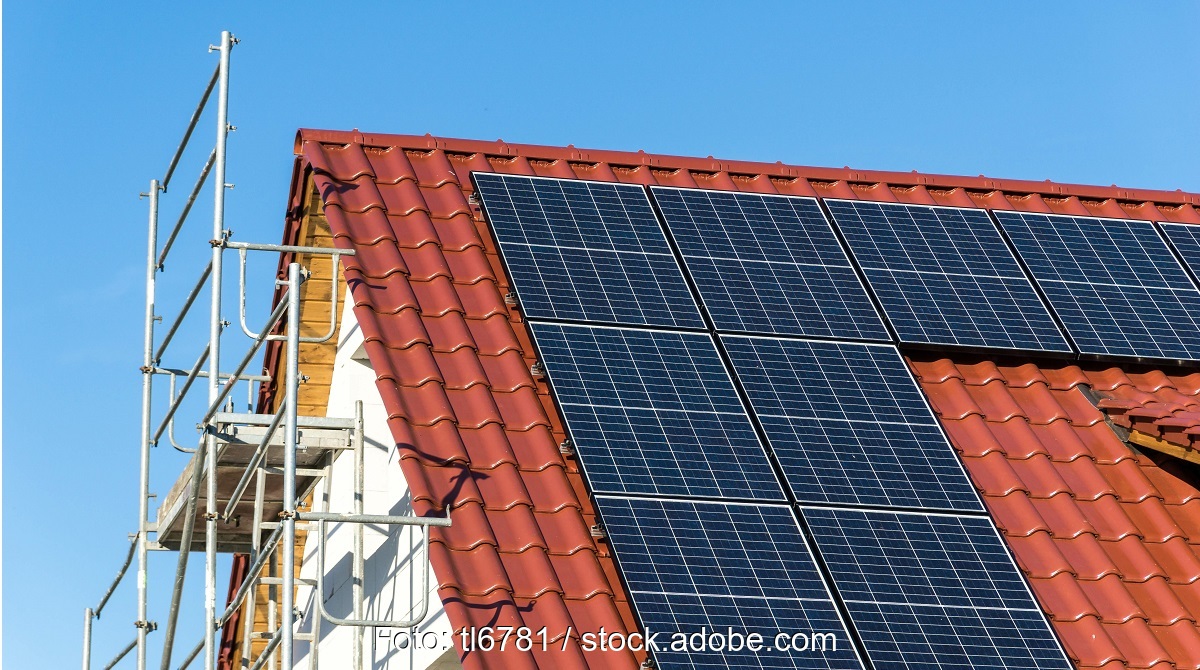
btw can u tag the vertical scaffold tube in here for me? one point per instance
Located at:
(289, 466)
(87, 639)
(214, 356)
(144, 446)
(359, 581)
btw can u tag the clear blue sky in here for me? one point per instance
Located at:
(97, 95)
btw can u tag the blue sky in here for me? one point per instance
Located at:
(98, 94)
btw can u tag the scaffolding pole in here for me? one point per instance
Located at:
(289, 466)
(214, 354)
(143, 625)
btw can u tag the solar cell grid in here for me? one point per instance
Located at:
(849, 425)
(587, 251)
(918, 238)
(1186, 239)
(768, 264)
(1114, 283)
(654, 412)
(1122, 252)
(901, 637)
(694, 566)
(933, 591)
(945, 276)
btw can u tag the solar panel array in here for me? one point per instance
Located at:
(928, 591)
(1113, 282)
(694, 566)
(945, 276)
(586, 251)
(768, 264)
(849, 425)
(681, 434)
(654, 413)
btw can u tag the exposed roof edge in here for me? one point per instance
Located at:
(1016, 187)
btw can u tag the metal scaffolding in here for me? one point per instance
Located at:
(284, 455)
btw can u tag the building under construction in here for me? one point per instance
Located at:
(523, 406)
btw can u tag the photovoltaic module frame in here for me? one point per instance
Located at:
(1186, 240)
(1114, 283)
(945, 276)
(933, 591)
(654, 413)
(694, 566)
(587, 251)
(849, 424)
(768, 264)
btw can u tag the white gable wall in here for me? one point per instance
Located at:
(395, 557)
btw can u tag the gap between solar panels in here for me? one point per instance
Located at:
(716, 448)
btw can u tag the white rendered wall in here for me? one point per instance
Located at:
(394, 559)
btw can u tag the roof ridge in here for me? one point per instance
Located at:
(778, 169)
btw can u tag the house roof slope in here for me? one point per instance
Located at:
(1104, 533)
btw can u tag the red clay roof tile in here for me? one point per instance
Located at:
(952, 401)
(1137, 642)
(1182, 643)
(995, 475)
(1109, 598)
(489, 445)
(1189, 595)
(1016, 515)
(1065, 598)
(1128, 481)
(1084, 479)
(1132, 558)
(1040, 477)
(1039, 556)
(1087, 557)
(1157, 601)
(1018, 439)
(1088, 642)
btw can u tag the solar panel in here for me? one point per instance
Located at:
(933, 591)
(654, 412)
(1113, 282)
(1186, 240)
(945, 276)
(849, 425)
(587, 251)
(693, 566)
(768, 264)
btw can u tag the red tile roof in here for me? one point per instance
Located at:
(1110, 540)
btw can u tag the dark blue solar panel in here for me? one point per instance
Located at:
(849, 425)
(654, 412)
(693, 566)
(1186, 238)
(1114, 283)
(933, 591)
(768, 264)
(945, 276)
(586, 251)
